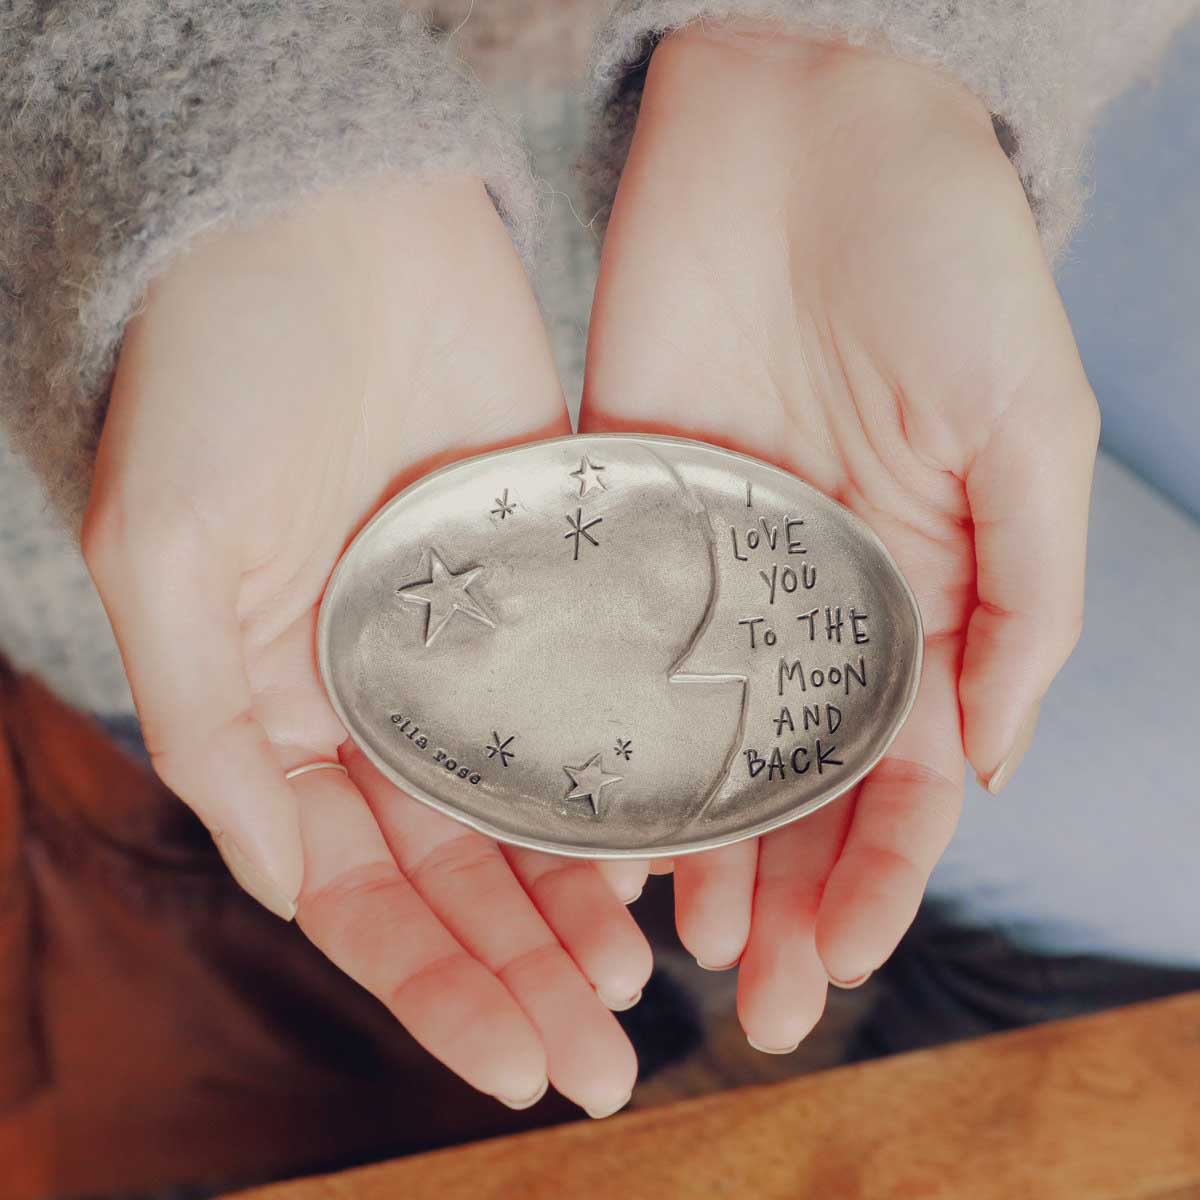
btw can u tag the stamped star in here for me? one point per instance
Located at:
(588, 781)
(588, 475)
(579, 529)
(444, 594)
(501, 748)
(504, 506)
(624, 748)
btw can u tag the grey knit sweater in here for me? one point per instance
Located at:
(127, 127)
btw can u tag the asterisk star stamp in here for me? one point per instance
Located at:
(579, 529)
(501, 748)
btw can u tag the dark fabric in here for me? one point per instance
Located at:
(949, 981)
(158, 1029)
(22, 1059)
(156, 1026)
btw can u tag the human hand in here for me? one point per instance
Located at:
(278, 386)
(821, 256)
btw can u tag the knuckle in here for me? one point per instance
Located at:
(1064, 627)
(102, 535)
(1077, 413)
(533, 962)
(143, 537)
(368, 887)
(464, 858)
(551, 883)
(1089, 412)
(166, 761)
(447, 974)
(179, 745)
(1072, 631)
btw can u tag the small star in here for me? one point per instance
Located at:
(588, 475)
(503, 507)
(624, 748)
(579, 529)
(445, 594)
(501, 748)
(588, 780)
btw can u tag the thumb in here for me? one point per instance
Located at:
(172, 602)
(1028, 490)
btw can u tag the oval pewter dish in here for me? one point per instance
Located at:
(619, 645)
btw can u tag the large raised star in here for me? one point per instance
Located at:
(445, 594)
(588, 780)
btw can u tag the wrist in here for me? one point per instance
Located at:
(799, 86)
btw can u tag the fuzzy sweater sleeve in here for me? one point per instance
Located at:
(1045, 68)
(127, 127)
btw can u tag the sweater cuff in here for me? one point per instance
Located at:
(1044, 68)
(128, 127)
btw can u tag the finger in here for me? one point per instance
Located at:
(904, 816)
(359, 909)
(662, 866)
(593, 925)
(714, 893)
(626, 876)
(781, 981)
(465, 880)
(171, 600)
(1028, 491)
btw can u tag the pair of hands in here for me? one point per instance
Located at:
(818, 255)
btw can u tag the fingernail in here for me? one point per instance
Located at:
(636, 896)
(848, 985)
(717, 967)
(1003, 773)
(530, 1102)
(772, 1049)
(622, 1004)
(598, 1114)
(662, 866)
(253, 880)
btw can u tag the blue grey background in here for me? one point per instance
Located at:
(1094, 845)
(1131, 282)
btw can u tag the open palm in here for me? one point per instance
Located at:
(821, 256)
(279, 385)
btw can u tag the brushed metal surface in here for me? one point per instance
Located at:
(619, 645)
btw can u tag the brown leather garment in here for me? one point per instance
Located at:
(158, 1027)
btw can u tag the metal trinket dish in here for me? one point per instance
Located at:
(619, 645)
